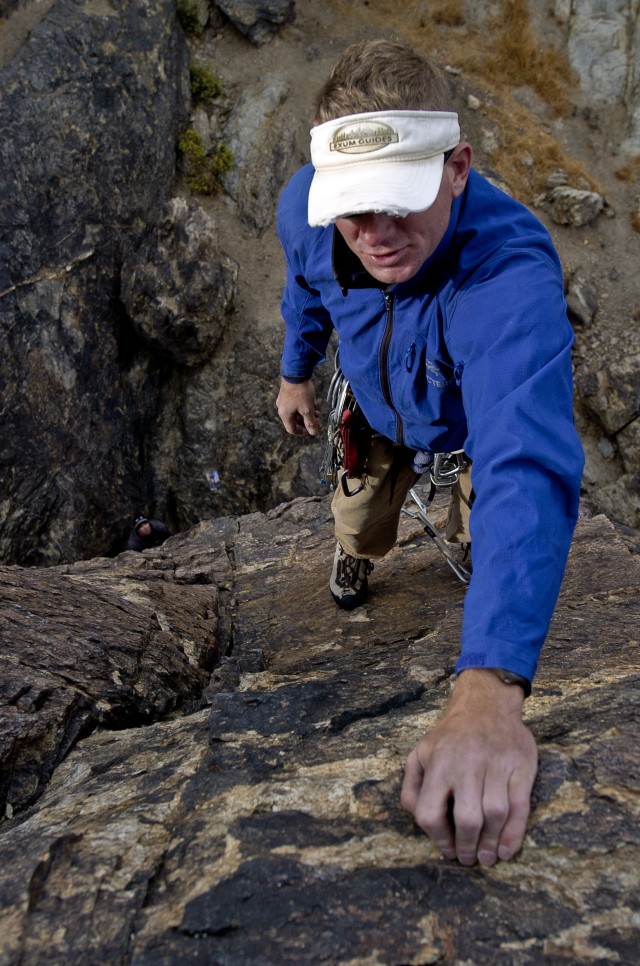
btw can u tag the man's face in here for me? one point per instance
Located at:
(394, 249)
(144, 529)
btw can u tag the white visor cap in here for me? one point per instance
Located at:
(387, 161)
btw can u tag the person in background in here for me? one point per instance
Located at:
(147, 533)
(447, 296)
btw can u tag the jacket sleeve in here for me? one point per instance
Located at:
(513, 342)
(308, 325)
(134, 542)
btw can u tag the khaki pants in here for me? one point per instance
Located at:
(367, 523)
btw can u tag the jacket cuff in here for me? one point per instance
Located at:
(294, 380)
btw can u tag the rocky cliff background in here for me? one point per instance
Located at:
(140, 318)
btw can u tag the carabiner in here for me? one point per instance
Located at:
(345, 485)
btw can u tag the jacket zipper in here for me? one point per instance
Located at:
(384, 365)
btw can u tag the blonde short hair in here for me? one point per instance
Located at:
(382, 75)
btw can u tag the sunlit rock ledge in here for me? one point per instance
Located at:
(213, 753)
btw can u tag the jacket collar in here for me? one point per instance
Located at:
(348, 269)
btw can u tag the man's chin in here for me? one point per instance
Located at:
(392, 274)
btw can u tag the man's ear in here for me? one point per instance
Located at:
(459, 165)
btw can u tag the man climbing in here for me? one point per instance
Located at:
(147, 533)
(447, 297)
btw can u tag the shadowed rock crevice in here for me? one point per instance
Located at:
(79, 654)
(305, 709)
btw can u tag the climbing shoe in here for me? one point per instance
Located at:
(348, 584)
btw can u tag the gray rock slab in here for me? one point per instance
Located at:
(111, 643)
(267, 829)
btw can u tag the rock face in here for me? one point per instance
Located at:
(259, 128)
(123, 652)
(177, 287)
(114, 295)
(265, 827)
(602, 47)
(90, 111)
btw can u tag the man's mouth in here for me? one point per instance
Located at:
(385, 258)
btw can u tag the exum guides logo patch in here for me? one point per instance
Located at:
(363, 137)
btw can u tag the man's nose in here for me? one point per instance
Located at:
(374, 226)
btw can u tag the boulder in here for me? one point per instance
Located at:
(258, 19)
(601, 46)
(574, 206)
(262, 140)
(178, 287)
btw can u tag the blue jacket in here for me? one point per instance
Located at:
(473, 353)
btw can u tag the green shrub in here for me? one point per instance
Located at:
(202, 171)
(221, 160)
(187, 12)
(204, 84)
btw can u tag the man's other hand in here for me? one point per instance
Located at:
(468, 782)
(296, 408)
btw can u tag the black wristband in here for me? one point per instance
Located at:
(510, 677)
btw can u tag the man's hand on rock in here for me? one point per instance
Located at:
(468, 782)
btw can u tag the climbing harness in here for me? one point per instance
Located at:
(342, 451)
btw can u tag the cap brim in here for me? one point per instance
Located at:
(397, 187)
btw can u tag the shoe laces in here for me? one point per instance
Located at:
(352, 567)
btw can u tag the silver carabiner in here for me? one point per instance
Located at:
(447, 467)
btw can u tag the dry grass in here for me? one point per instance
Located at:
(528, 154)
(448, 13)
(495, 61)
(515, 59)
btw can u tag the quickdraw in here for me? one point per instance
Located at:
(420, 513)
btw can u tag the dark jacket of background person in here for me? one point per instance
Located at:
(139, 540)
